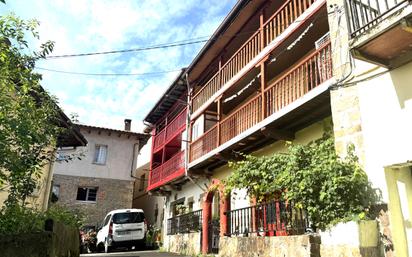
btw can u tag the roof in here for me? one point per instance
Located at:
(141, 136)
(72, 136)
(233, 22)
(168, 98)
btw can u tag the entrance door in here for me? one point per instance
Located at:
(214, 235)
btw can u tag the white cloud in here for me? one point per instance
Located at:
(99, 25)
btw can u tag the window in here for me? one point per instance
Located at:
(100, 154)
(128, 217)
(55, 193)
(106, 220)
(142, 180)
(87, 194)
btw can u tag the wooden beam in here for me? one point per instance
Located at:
(277, 134)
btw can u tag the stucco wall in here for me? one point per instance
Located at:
(119, 156)
(111, 194)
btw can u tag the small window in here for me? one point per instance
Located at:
(87, 194)
(55, 193)
(142, 180)
(100, 154)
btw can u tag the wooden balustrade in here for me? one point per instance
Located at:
(284, 17)
(204, 144)
(309, 73)
(303, 77)
(159, 139)
(177, 124)
(242, 119)
(272, 28)
(164, 173)
(174, 127)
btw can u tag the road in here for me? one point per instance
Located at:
(133, 254)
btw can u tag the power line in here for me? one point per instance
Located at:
(109, 74)
(185, 42)
(153, 47)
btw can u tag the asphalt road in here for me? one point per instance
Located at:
(134, 254)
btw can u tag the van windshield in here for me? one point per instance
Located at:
(128, 217)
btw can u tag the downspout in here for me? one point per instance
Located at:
(188, 112)
(133, 158)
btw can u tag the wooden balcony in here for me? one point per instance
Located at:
(286, 15)
(172, 129)
(296, 83)
(381, 31)
(168, 171)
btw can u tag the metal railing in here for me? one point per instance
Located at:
(275, 218)
(364, 14)
(185, 223)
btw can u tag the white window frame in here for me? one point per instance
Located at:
(87, 194)
(98, 152)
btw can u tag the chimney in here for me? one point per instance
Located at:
(127, 124)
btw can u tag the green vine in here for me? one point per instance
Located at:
(313, 176)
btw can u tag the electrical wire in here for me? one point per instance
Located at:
(110, 74)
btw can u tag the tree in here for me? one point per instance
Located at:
(28, 115)
(313, 176)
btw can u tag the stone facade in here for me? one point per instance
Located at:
(282, 246)
(188, 244)
(111, 194)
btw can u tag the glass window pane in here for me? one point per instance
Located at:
(81, 194)
(92, 194)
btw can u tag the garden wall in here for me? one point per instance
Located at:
(188, 244)
(60, 241)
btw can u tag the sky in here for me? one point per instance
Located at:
(82, 26)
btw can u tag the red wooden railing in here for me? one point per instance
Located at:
(307, 74)
(176, 126)
(172, 168)
(159, 139)
(272, 28)
(204, 144)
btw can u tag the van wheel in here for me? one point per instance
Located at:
(107, 247)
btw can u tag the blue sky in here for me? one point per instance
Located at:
(97, 25)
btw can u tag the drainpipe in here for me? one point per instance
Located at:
(186, 140)
(133, 158)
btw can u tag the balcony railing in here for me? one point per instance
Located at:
(172, 168)
(172, 129)
(287, 14)
(275, 218)
(185, 223)
(295, 83)
(364, 14)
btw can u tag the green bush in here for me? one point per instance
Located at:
(17, 219)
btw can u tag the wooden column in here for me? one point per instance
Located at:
(262, 87)
(219, 118)
(261, 28)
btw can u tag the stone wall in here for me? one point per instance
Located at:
(282, 246)
(61, 241)
(188, 244)
(111, 194)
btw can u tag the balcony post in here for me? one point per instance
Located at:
(219, 117)
(262, 87)
(261, 28)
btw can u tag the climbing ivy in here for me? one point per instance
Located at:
(331, 189)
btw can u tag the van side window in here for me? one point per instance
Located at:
(106, 220)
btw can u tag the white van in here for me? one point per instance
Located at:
(122, 228)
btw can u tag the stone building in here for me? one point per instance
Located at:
(98, 178)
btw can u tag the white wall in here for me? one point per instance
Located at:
(119, 157)
(386, 113)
